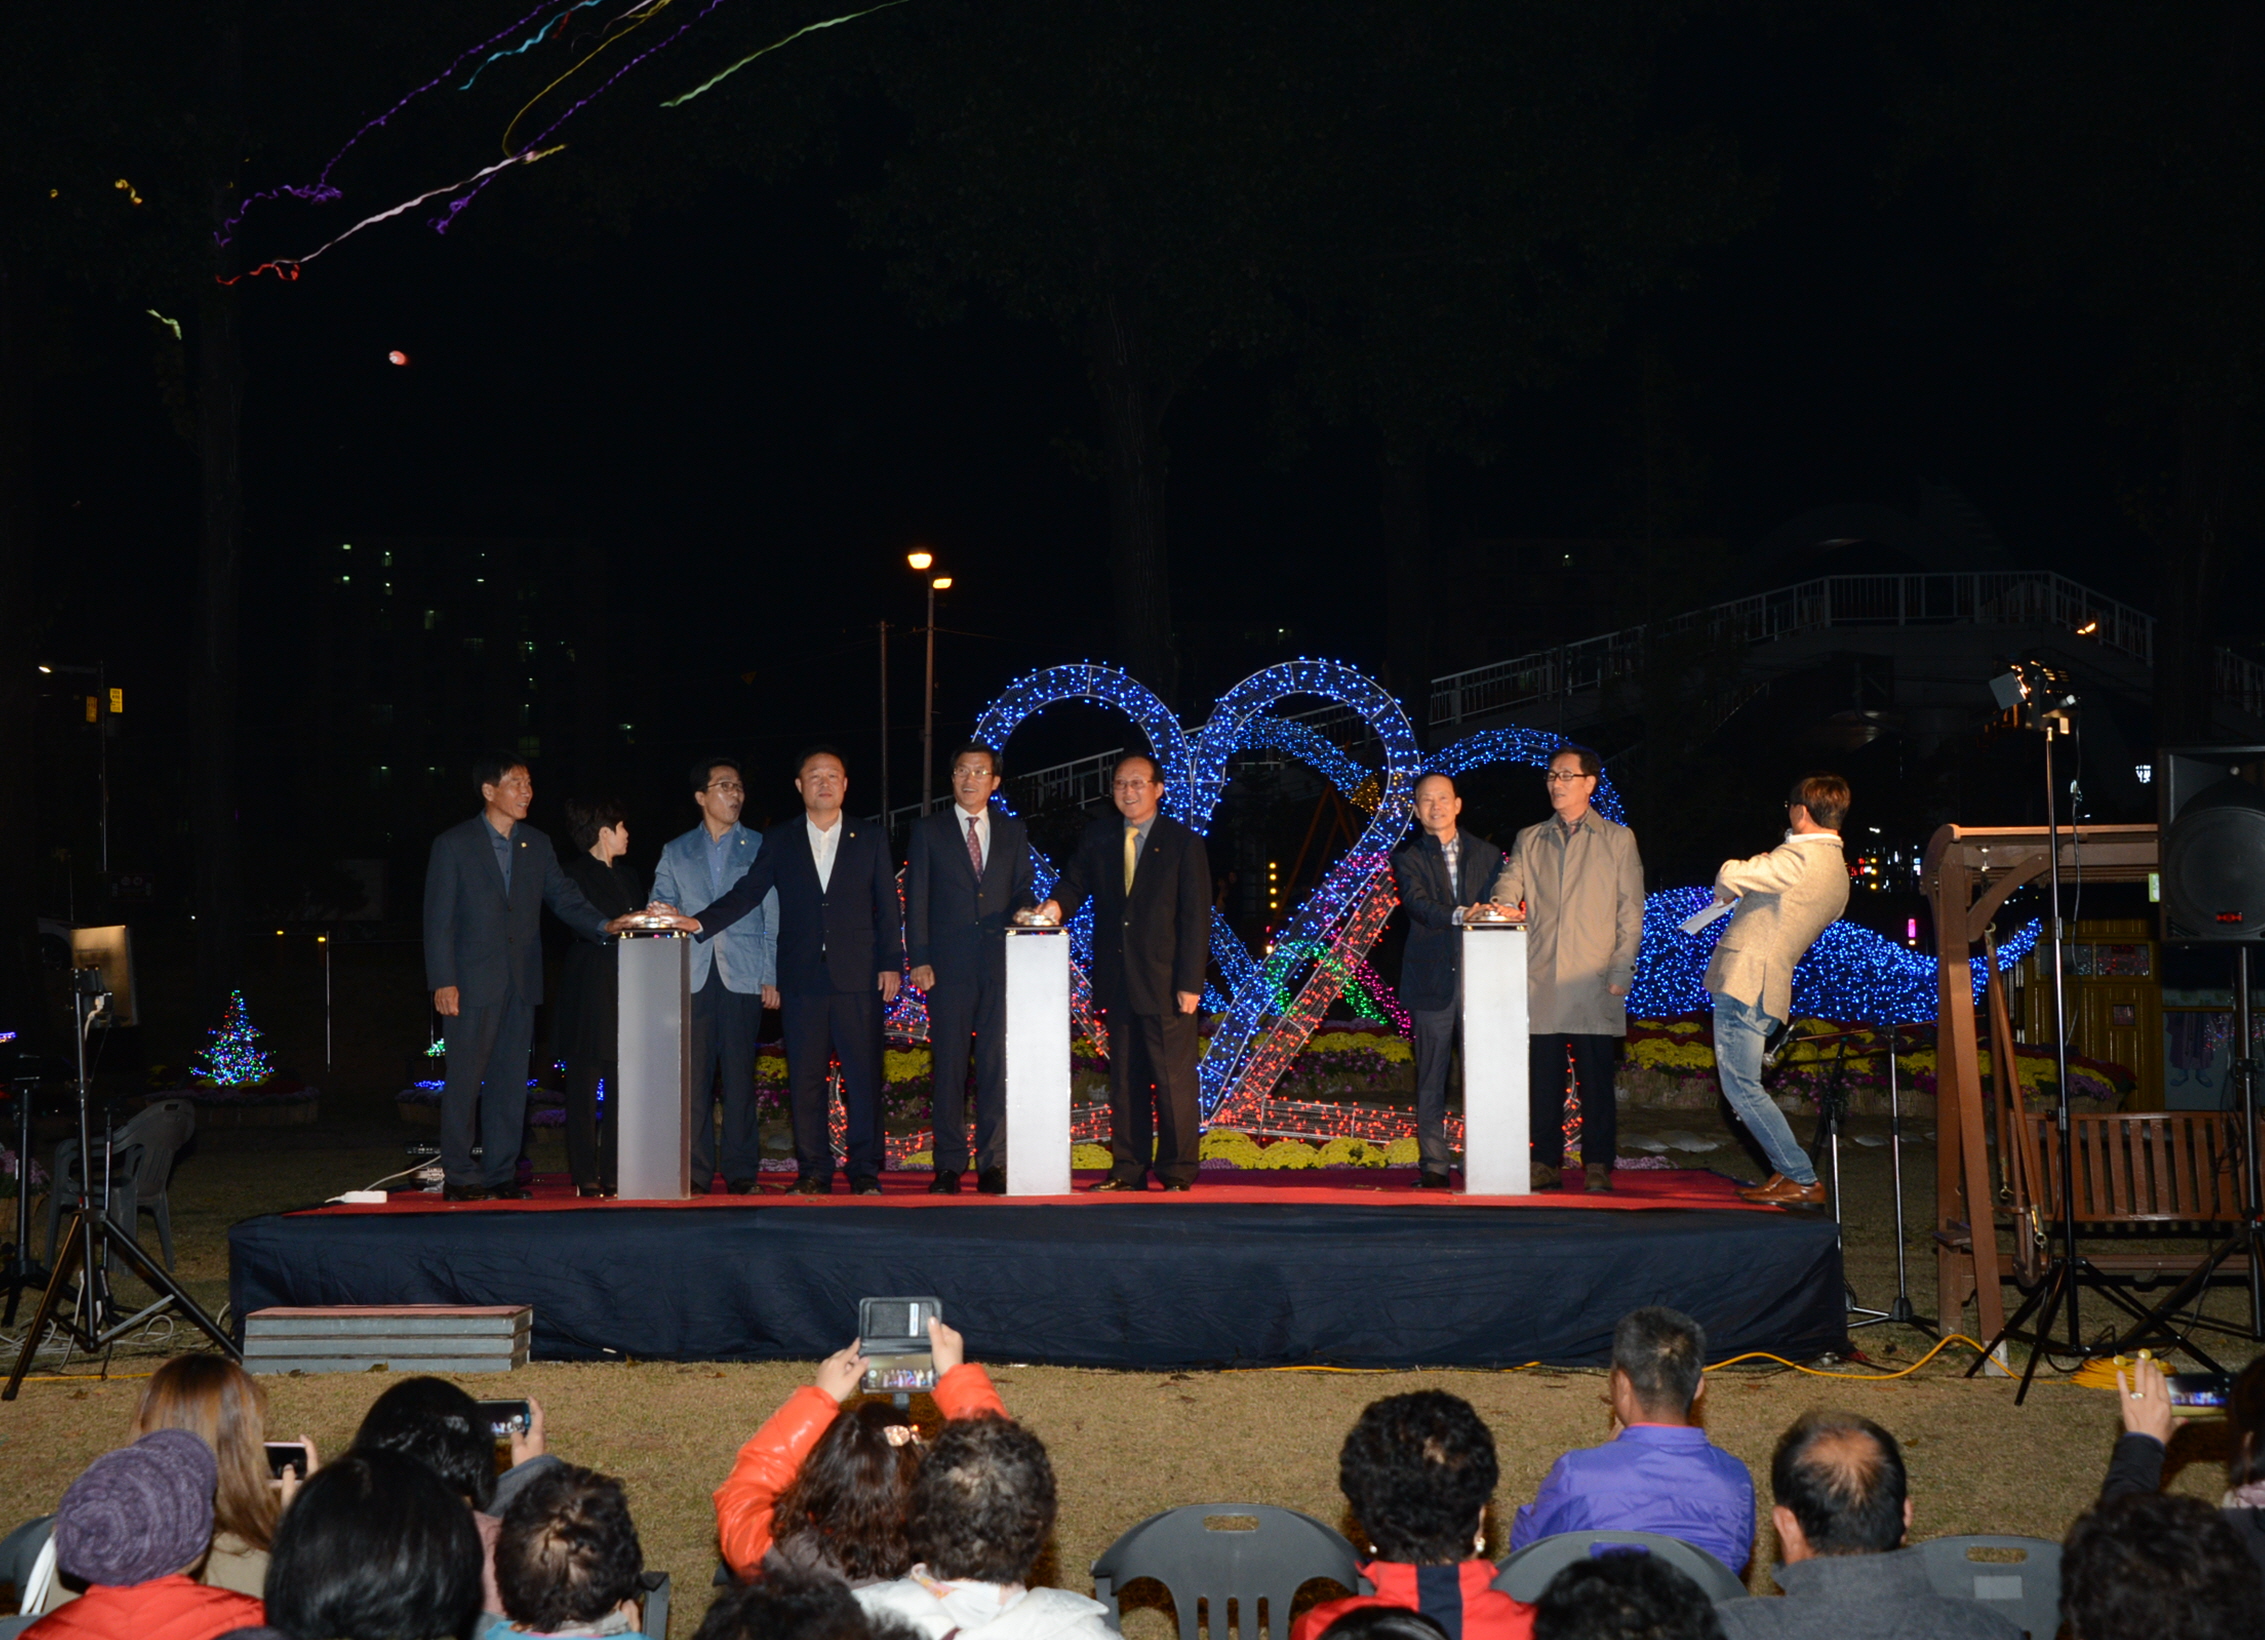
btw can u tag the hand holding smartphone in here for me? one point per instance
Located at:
(892, 1335)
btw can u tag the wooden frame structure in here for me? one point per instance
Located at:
(1969, 872)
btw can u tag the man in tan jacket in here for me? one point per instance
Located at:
(1785, 899)
(1583, 888)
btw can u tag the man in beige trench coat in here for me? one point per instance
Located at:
(1582, 885)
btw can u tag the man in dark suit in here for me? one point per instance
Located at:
(1441, 872)
(841, 957)
(970, 869)
(485, 888)
(1150, 883)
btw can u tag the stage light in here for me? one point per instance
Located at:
(920, 559)
(397, 357)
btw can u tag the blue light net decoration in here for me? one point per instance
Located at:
(1529, 746)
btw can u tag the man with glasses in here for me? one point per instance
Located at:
(734, 977)
(1582, 885)
(1150, 882)
(1784, 900)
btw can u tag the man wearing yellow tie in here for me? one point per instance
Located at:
(1150, 883)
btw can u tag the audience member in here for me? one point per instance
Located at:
(1842, 1510)
(1661, 1473)
(567, 1561)
(224, 1406)
(2147, 1424)
(376, 1546)
(826, 1493)
(1630, 1595)
(982, 1510)
(796, 1605)
(1419, 1470)
(441, 1427)
(2146, 1566)
(134, 1527)
(1383, 1623)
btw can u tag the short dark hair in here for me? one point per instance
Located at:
(984, 1502)
(1591, 764)
(846, 1506)
(1842, 1476)
(374, 1547)
(803, 757)
(1431, 774)
(975, 747)
(438, 1425)
(1624, 1594)
(489, 768)
(585, 820)
(705, 771)
(1384, 1623)
(789, 1603)
(1663, 1355)
(568, 1552)
(1155, 769)
(2149, 1564)
(1825, 796)
(1418, 1469)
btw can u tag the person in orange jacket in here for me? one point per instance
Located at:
(821, 1491)
(1418, 1470)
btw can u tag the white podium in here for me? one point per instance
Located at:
(1497, 1141)
(651, 1111)
(1038, 1061)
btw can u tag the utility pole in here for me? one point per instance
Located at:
(884, 724)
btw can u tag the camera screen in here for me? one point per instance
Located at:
(896, 1373)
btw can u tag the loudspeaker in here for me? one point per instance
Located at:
(2213, 820)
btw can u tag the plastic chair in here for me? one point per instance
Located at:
(2027, 1592)
(655, 1605)
(1525, 1574)
(27, 1561)
(141, 1166)
(1221, 1552)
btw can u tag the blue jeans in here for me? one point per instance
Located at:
(1740, 1031)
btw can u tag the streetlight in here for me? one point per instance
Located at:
(921, 559)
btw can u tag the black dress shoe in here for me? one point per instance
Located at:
(700, 1187)
(1430, 1180)
(588, 1191)
(1117, 1184)
(945, 1183)
(865, 1187)
(810, 1185)
(464, 1193)
(1178, 1185)
(743, 1187)
(992, 1181)
(513, 1192)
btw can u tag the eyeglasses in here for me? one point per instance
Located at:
(730, 788)
(1566, 776)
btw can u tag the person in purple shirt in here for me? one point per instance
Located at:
(1661, 1474)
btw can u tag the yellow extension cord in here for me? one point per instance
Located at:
(1751, 1355)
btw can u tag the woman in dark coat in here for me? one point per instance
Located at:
(588, 1009)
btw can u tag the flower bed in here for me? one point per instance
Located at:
(279, 1100)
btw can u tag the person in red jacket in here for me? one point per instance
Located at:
(134, 1526)
(823, 1492)
(1418, 1470)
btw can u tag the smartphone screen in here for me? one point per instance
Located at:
(2199, 1393)
(507, 1418)
(282, 1455)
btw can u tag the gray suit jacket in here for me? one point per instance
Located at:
(1786, 898)
(486, 943)
(1862, 1597)
(1584, 923)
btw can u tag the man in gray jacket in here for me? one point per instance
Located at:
(1843, 1510)
(1582, 884)
(1785, 899)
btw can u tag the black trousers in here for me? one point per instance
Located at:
(591, 1155)
(1594, 1059)
(1435, 1051)
(1152, 1095)
(966, 1013)
(486, 1091)
(724, 1024)
(843, 1025)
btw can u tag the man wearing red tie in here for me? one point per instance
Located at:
(1150, 883)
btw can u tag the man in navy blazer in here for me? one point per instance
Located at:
(970, 870)
(485, 888)
(1150, 882)
(841, 957)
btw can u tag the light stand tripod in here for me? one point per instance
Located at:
(91, 1237)
(23, 1273)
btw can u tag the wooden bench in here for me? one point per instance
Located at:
(2141, 1176)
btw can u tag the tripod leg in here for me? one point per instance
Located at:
(2048, 1288)
(68, 1252)
(2064, 1282)
(161, 1280)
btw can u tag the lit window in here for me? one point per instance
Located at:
(2145, 772)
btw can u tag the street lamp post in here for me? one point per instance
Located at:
(100, 672)
(922, 560)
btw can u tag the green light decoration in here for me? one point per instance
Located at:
(234, 1059)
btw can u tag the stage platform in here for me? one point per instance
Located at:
(1272, 1270)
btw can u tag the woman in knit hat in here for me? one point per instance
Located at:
(135, 1527)
(212, 1397)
